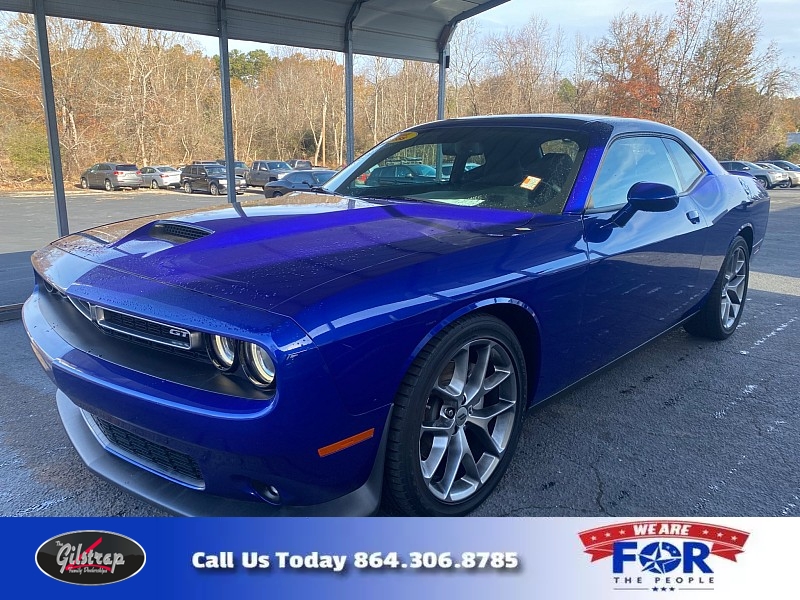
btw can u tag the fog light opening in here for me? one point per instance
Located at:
(268, 492)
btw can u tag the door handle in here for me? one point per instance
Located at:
(693, 216)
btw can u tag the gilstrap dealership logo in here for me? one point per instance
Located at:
(663, 556)
(90, 557)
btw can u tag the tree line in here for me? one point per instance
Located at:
(153, 97)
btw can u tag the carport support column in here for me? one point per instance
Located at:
(50, 117)
(349, 113)
(444, 63)
(225, 81)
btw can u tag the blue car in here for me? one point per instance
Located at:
(381, 342)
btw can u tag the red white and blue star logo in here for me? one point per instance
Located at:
(663, 556)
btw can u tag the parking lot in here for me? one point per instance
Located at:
(684, 427)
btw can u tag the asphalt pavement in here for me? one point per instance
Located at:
(684, 427)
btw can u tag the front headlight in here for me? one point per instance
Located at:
(258, 365)
(222, 352)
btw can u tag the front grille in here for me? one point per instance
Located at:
(153, 331)
(171, 463)
(177, 232)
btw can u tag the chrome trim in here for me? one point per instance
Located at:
(189, 340)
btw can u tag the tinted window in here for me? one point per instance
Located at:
(322, 176)
(628, 161)
(685, 165)
(511, 168)
(127, 168)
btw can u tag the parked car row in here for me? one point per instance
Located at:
(212, 178)
(771, 174)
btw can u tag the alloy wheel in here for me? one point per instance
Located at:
(468, 420)
(733, 287)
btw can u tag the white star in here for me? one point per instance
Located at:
(608, 534)
(719, 535)
(594, 538)
(734, 538)
(622, 532)
(705, 531)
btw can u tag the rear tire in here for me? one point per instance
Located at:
(108, 186)
(214, 189)
(187, 187)
(723, 308)
(276, 194)
(154, 184)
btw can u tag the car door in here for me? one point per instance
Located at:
(642, 275)
(96, 175)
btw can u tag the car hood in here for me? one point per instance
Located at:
(266, 253)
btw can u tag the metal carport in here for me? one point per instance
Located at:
(406, 29)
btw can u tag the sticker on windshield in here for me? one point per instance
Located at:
(402, 137)
(530, 182)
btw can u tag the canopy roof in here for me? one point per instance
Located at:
(409, 29)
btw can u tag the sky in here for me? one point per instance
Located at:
(780, 18)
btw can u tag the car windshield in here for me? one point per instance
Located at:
(215, 170)
(240, 165)
(278, 165)
(322, 176)
(514, 168)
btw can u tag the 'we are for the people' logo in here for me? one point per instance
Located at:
(663, 556)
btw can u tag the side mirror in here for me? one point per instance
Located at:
(645, 197)
(652, 197)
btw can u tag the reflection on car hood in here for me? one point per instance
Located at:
(263, 254)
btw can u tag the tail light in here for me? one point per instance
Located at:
(118, 172)
(138, 172)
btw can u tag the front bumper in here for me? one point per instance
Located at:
(236, 444)
(184, 501)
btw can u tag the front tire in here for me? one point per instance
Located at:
(456, 420)
(722, 310)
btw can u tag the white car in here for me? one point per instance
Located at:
(161, 177)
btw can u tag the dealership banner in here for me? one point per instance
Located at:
(387, 558)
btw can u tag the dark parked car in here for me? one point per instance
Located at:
(241, 167)
(304, 358)
(401, 174)
(211, 178)
(263, 171)
(297, 181)
(299, 163)
(112, 176)
(769, 178)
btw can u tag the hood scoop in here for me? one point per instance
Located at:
(177, 233)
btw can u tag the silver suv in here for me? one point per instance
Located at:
(769, 177)
(111, 176)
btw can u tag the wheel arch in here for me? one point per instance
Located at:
(746, 232)
(517, 315)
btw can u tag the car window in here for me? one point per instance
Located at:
(627, 161)
(292, 178)
(322, 176)
(511, 168)
(147, 170)
(279, 165)
(686, 166)
(127, 168)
